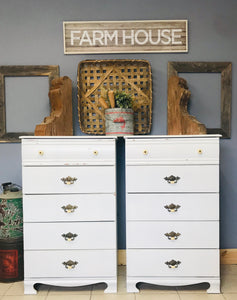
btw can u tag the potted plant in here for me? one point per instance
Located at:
(118, 113)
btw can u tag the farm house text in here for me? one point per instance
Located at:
(126, 37)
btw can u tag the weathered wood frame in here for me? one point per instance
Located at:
(225, 68)
(121, 26)
(20, 71)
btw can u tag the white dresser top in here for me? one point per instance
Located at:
(172, 136)
(76, 137)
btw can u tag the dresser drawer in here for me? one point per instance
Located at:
(176, 234)
(63, 236)
(90, 263)
(150, 262)
(172, 151)
(68, 151)
(80, 179)
(173, 179)
(170, 207)
(69, 207)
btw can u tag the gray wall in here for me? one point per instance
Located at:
(31, 34)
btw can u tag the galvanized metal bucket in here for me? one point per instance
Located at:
(119, 121)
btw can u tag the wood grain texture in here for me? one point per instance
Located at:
(125, 36)
(60, 120)
(196, 67)
(179, 120)
(228, 256)
(52, 71)
(2, 106)
(226, 94)
(32, 70)
(225, 68)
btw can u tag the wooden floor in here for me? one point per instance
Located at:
(14, 291)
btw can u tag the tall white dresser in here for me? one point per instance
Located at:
(172, 210)
(69, 207)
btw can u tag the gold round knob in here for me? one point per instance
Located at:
(41, 152)
(199, 151)
(145, 152)
(95, 152)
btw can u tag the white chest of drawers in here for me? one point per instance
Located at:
(69, 207)
(172, 210)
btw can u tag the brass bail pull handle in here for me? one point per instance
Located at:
(172, 235)
(69, 236)
(69, 180)
(172, 207)
(70, 264)
(172, 179)
(69, 208)
(173, 264)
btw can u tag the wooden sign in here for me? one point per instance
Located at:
(125, 36)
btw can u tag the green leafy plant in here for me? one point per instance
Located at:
(123, 100)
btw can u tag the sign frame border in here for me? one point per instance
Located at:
(122, 51)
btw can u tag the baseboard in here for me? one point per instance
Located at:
(228, 257)
(122, 257)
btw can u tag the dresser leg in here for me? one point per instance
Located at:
(29, 288)
(131, 286)
(214, 287)
(111, 286)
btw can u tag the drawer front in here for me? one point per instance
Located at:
(159, 178)
(57, 180)
(173, 150)
(64, 236)
(90, 263)
(172, 234)
(170, 207)
(69, 207)
(66, 152)
(150, 262)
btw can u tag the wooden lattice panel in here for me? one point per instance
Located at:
(130, 76)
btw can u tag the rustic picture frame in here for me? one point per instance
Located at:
(225, 68)
(52, 71)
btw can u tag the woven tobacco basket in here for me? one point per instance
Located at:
(130, 76)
